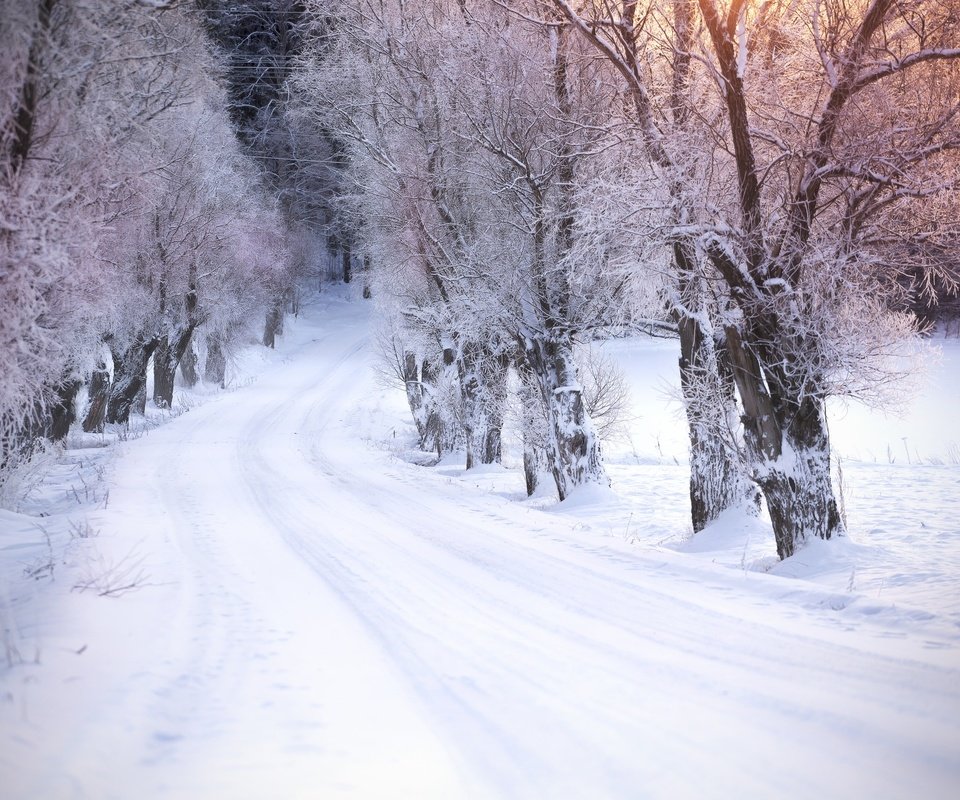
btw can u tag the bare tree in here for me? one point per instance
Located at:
(795, 249)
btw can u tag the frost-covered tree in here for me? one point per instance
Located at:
(189, 246)
(473, 148)
(80, 84)
(833, 123)
(102, 176)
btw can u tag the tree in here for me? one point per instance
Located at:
(809, 184)
(58, 189)
(91, 202)
(470, 177)
(193, 246)
(798, 263)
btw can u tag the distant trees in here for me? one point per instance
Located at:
(475, 149)
(128, 218)
(300, 163)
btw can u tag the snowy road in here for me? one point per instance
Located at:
(328, 622)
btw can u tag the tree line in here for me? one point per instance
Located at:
(774, 181)
(139, 224)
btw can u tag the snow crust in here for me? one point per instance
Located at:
(319, 616)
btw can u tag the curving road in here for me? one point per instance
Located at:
(328, 622)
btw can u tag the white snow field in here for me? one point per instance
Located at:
(315, 616)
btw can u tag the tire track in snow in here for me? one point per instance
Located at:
(368, 556)
(344, 626)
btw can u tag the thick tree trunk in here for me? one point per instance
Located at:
(415, 397)
(573, 448)
(189, 367)
(99, 394)
(798, 487)
(215, 367)
(533, 424)
(166, 358)
(164, 374)
(535, 464)
(128, 391)
(789, 445)
(482, 376)
(718, 477)
(62, 413)
(439, 384)
(140, 401)
(273, 327)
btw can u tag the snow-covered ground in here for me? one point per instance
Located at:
(312, 615)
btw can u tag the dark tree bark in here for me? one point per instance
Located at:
(273, 327)
(483, 375)
(367, 292)
(166, 358)
(164, 373)
(346, 260)
(21, 138)
(419, 379)
(439, 434)
(62, 412)
(189, 367)
(128, 391)
(99, 394)
(789, 446)
(533, 423)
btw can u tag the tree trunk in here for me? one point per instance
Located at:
(140, 401)
(367, 292)
(166, 359)
(346, 260)
(573, 446)
(273, 327)
(18, 137)
(718, 477)
(215, 367)
(164, 373)
(62, 413)
(482, 375)
(415, 398)
(439, 384)
(189, 365)
(535, 464)
(128, 391)
(798, 488)
(99, 394)
(533, 425)
(789, 446)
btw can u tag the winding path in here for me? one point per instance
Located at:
(332, 623)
